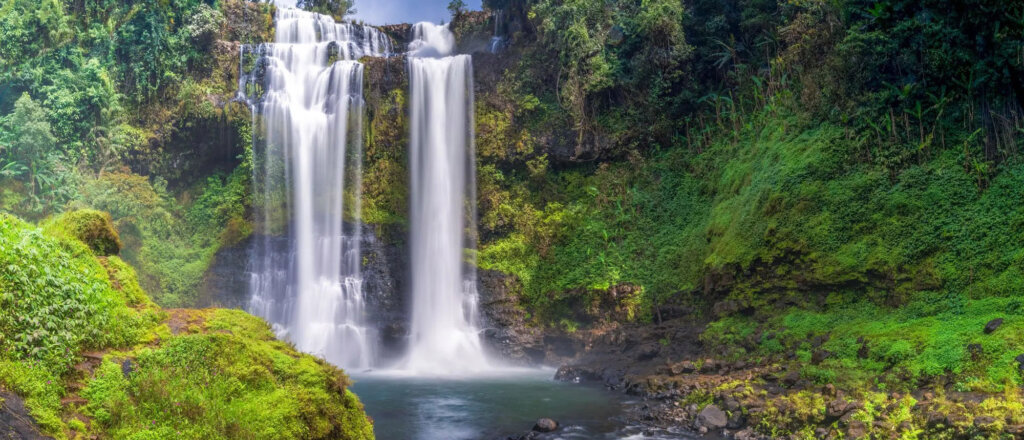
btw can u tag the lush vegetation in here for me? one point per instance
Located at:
(841, 169)
(201, 374)
(836, 168)
(126, 108)
(57, 300)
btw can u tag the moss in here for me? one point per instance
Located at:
(94, 228)
(385, 175)
(229, 379)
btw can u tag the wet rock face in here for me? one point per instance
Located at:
(505, 329)
(226, 283)
(15, 421)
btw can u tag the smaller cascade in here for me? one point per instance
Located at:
(445, 338)
(498, 41)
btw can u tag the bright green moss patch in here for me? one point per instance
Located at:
(94, 228)
(231, 379)
(922, 342)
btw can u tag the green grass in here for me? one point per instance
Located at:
(913, 345)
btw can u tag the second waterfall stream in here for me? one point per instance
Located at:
(444, 335)
(305, 90)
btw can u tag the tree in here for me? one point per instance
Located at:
(457, 7)
(31, 138)
(337, 9)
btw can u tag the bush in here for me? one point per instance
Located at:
(93, 228)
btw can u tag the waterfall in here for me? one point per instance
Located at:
(305, 90)
(497, 40)
(444, 337)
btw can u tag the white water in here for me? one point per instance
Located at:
(312, 124)
(444, 337)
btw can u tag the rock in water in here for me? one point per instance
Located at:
(712, 417)
(545, 425)
(993, 325)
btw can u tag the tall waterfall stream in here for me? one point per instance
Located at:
(306, 94)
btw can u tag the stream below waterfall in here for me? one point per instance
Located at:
(494, 407)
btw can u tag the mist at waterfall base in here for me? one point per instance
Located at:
(305, 91)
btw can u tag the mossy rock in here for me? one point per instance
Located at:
(94, 228)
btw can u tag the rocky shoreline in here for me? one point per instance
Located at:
(682, 383)
(767, 400)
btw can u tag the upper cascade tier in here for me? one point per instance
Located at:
(354, 41)
(431, 41)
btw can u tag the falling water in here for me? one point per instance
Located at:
(497, 40)
(307, 281)
(444, 335)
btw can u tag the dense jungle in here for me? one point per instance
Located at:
(756, 218)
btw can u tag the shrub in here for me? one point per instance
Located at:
(93, 228)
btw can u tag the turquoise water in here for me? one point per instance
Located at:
(492, 407)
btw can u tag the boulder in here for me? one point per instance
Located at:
(684, 367)
(93, 228)
(545, 425)
(993, 325)
(836, 409)
(819, 356)
(712, 417)
(746, 434)
(731, 404)
(737, 420)
(857, 430)
(935, 419)
(573, 373)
